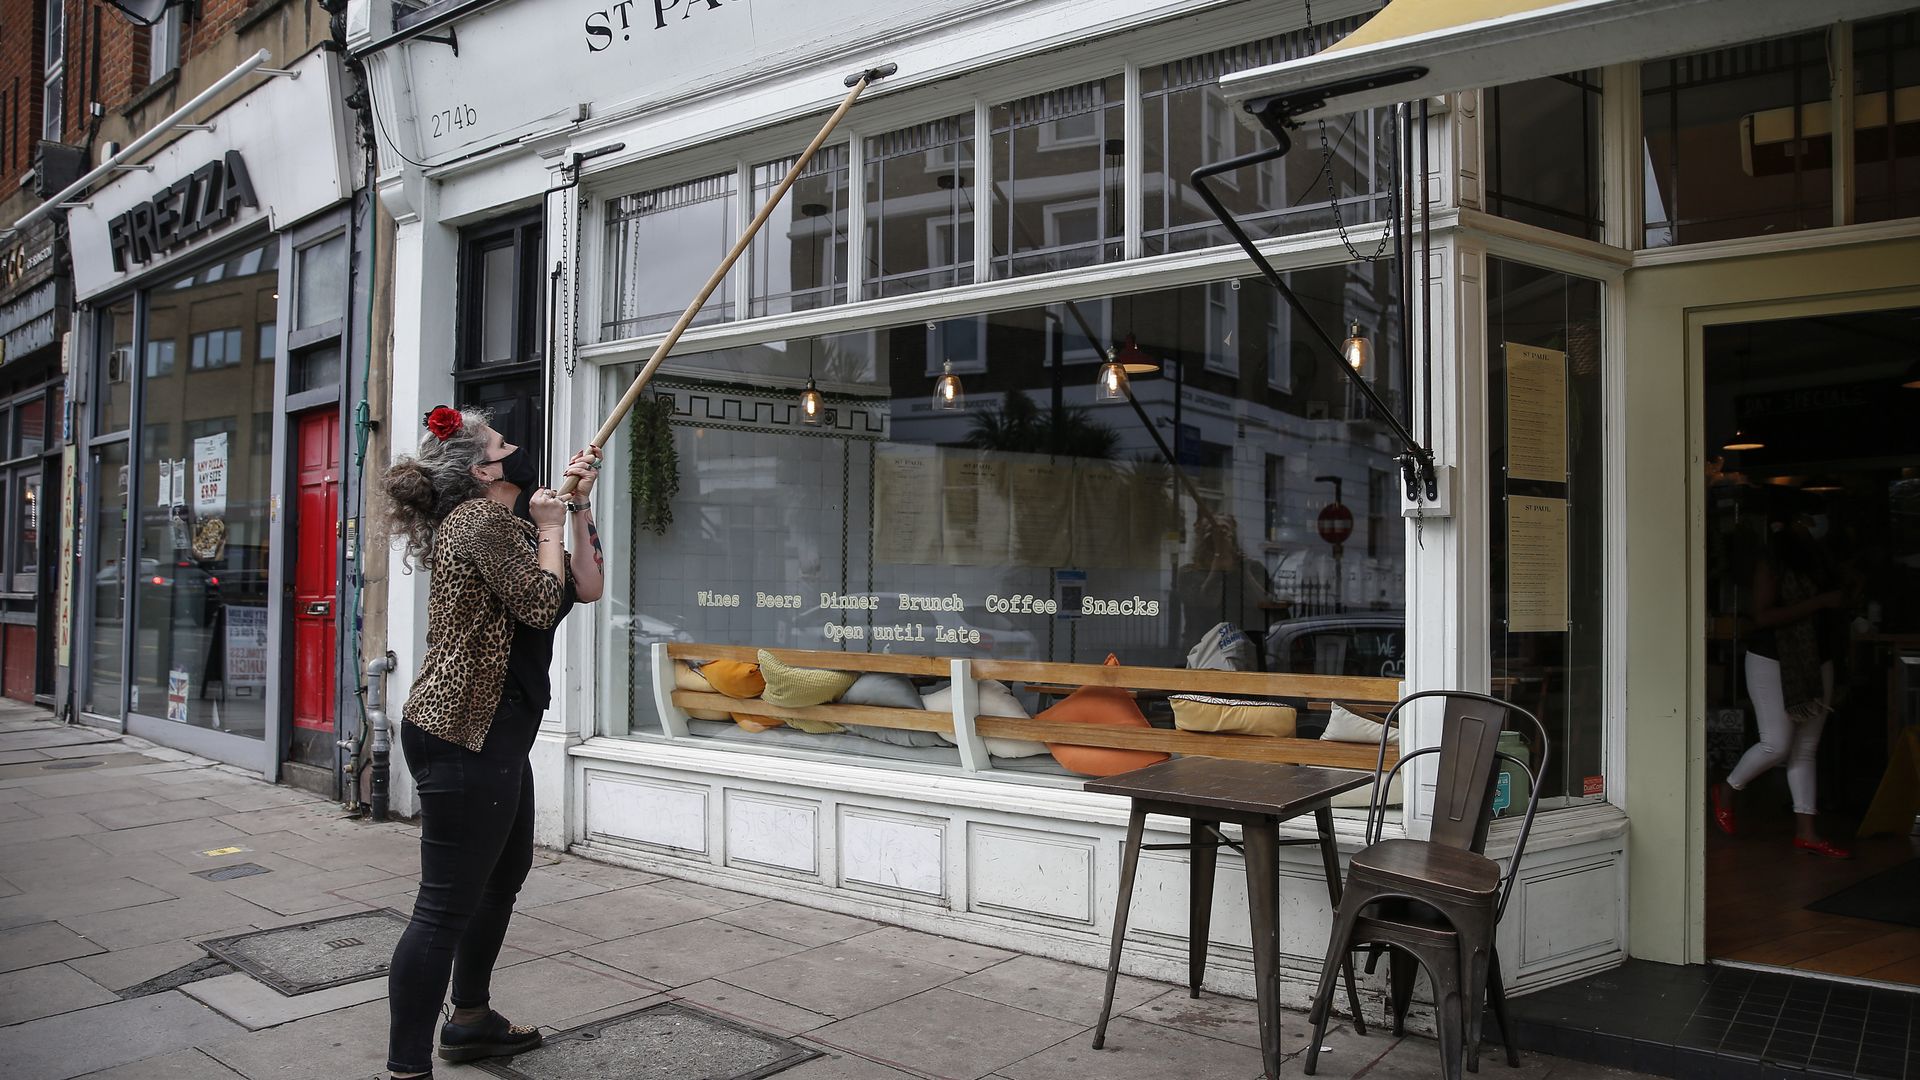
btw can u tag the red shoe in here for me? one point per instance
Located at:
(1723, 813)
(1822, 848)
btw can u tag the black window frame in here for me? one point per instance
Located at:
(521, 379)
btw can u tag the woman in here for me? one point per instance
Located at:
(1789, 676)
(500, 585)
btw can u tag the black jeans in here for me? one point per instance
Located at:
(476, 846)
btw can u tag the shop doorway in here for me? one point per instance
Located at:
(316, 440)
(1812, 642)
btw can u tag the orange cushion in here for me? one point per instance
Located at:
(1105, 705)
(734, 678)
(686, 677)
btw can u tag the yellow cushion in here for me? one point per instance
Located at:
(814, 727)
(798, 687)
(734, 678)
(1232, 716)
(686, 677)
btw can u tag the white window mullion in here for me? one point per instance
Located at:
(743, 210)
(983, 202)
(1840, 64)
(1133, 132)
(856, 217)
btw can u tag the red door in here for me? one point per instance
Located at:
(316, 439)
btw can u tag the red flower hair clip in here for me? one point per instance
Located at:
(445, 422)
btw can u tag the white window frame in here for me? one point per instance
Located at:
(163, 44)
(53, 97)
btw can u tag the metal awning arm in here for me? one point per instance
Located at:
(1416, 463)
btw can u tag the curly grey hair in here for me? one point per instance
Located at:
(423, 488)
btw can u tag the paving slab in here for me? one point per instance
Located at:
(77, 1043)
(254, 1005)
(31, 993)
(41, 943)
(198, 916)
(346, 1044)
(15, 757)
(836, 1064)
(555, 990)
(1049, 987)
(752, 1009)
(179, 1065)
(718, 899)
(530, 934)
(1213, 1015)
(21, 811)
(1139, 1051)
(807, 926)
(287, 893)
(190, 835)
(93, 749)
(130, 967)
(948, 1034)
(43, 905)
(46, 828)
(88, 802)
(841, 980)
(690, 952)
(619, 913)
(159, 813)
(959, 955)
(543, 887)
(261, 797)
(613, 877)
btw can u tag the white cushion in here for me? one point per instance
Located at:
(995, 700)
(1347, 726)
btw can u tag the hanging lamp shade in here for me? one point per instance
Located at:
(1740, 440)
(1134, 360)
(948, 394)
(813, 408)
(1112, 385)
(1357, 349)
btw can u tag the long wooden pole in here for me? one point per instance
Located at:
(858, 83)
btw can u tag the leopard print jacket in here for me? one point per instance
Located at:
(485, 576)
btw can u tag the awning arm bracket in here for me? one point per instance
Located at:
(1416, 460)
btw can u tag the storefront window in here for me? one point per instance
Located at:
(1187, 123)
(26, 527)
(320, 283)
(1886, 112)
(1543, 153)
(1058, 188)
(203, 519)
(29, 427)
(800, 255)
(785, 534)
(661, 247)
(1737, 142)
(107, 537)
(1547, 558)
(919, 207)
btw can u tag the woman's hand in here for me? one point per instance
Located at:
(585, 469)
(546, 509)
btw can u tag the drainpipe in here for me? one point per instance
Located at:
(382, 746)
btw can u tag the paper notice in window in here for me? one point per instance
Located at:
(974, 509)
(1039, 493)
(906, 505)
(1101, 526)
(1536, 565)
(1536, 413)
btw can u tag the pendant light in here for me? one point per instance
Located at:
(1740, 440)
(812, 405)
(948, 394)
(1113, 379)
(1357, 349)
(1134, 360)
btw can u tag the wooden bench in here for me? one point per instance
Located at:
(1309, 694)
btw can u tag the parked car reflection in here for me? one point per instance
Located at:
(1365, 643)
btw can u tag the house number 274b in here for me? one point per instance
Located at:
(457, 118)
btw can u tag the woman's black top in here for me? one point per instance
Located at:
(528, 684)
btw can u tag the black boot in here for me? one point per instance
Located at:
(491, 1037)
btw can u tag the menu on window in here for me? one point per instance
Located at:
(1536, 565)
(1102, 531)
(974, 527)
(907, 489)
(1536, 413)
(1039, 493)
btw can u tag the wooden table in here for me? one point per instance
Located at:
(1257, 797)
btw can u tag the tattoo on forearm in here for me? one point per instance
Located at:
(593, 537)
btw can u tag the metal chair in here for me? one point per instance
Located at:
(1437, 901)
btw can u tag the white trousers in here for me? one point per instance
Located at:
(1782, 740)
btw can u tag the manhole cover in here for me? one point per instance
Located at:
(314, 955)
(670, 1041)
(76, 763)
(230, 873)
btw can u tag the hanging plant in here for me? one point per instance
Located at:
(654, 469)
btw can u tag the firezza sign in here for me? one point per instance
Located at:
(205, 199)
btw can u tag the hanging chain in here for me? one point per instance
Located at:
(564, 338)
(1333, 194)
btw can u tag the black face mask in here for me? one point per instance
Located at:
(517, 469)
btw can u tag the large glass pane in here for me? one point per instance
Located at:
(785, 534)
(1058, 185)
(26, 524)
(1543, 152)
(800, 255)
(1547, 557)
(113, 395)
(496, 314)
(29, 427)
(1736, 142)
(320, 282)
(1886, 118)
(919, 207)
(662, 245)
(106, 539)
(1186, 123)
(200, 595)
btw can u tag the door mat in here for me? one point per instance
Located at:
(669, 1041)
(1890, 896)
(309, 956)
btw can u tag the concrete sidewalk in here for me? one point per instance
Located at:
(100, 839)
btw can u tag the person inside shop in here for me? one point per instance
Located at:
(1790, 670)
(500, 584)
